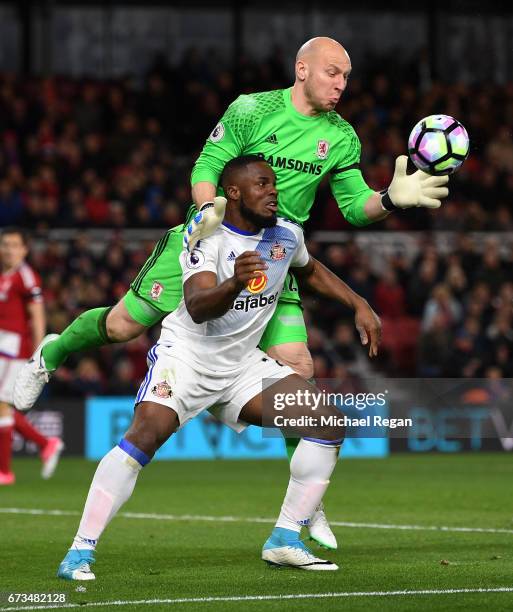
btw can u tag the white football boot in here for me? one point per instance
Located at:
(320, 530)
(285, 549)
(32, 378)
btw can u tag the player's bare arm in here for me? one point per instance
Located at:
(316, 277)
(37, 318)
(206, 300)
(374, 209)
(203, 192)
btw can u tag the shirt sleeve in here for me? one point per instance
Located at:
(203, 258)
(31, 282)
(227, 140)
(301, 255)
(347, 183)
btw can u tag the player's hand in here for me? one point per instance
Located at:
(417, 189)
(247, 266)
(369, 327)
(209, 218)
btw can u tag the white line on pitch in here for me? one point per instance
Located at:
(149, 602)
(257, 519)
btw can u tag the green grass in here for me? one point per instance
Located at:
(161, 559)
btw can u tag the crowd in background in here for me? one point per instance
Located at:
(82, 153)
(118, 154)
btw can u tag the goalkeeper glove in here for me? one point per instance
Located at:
(417, 189)
(205, 223)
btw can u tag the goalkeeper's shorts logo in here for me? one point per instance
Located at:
(162, 390)
(217, 133)
(257, 285)
(156, 291)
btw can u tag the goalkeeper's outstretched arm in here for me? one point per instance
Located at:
(360, 205)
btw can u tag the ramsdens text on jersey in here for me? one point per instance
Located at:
(292, 164)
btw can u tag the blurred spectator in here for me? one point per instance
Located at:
(88, 379)
(389, 296)
(441, 309)
(435, 348)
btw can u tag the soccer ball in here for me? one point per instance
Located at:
(438, 144)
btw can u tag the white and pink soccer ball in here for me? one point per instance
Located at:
(438, 144)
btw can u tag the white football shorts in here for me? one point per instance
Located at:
(189, 391)
(9, 369)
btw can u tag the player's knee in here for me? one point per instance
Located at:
(144, 435)
(334, 435)
(120, 325)
(296, 355)
(152, 425)
(330, 425)
(304, 367)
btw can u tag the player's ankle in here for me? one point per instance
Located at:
(81, 543)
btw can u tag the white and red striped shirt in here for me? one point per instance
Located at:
(17, 289)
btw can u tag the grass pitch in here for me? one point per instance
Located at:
(154, 558)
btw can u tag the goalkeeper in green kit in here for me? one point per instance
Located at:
(298, 132)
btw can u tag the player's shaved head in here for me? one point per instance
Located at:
(318, 46)
(322, 70)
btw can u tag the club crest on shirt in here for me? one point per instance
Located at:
(323, 147)
(217, 133)
(156, 291)
(278, 252)
(258, 284)
(195, 259)
(162, 390)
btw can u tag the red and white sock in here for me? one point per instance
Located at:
(26, 430)
(6, 428)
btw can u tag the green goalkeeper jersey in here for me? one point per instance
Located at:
(300, 149)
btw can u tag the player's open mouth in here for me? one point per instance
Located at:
(272, 206)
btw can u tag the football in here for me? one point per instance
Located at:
(438, 144)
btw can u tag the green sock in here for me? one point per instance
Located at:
(86, 331)
(291, 443)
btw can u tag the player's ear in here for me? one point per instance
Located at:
(232, 192)
(301, 70)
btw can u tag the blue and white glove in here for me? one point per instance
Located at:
(204, 224)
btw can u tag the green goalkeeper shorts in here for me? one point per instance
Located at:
(286, 325)
(157, 290)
